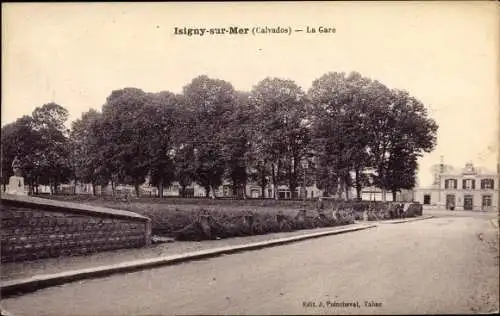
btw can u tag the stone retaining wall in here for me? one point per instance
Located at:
(33, 228)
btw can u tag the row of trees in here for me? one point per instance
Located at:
(352, 131)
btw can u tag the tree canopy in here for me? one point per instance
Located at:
(351, 130)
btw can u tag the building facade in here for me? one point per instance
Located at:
(252, 190)
(468, 188)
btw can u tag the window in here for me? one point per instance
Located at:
(450, 183)
(486, 201)
(469, 184)
(487, 184)
(427, 199)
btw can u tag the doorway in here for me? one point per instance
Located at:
(450, 202)
(468, 202)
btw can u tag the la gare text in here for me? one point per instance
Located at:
(258, 30)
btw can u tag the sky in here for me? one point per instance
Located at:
(446, 54)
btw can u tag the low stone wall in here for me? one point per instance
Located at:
(34, 228)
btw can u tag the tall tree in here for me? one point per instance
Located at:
(161, 138)
(127, 119)
(405, 134)
(53, 155)
(183, 152)
(87, 142)
(283, 133)
(236, 139)
(211, 103)
(341, 131)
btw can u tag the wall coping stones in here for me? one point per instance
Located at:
(58, 206)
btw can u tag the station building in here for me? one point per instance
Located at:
(469, 188)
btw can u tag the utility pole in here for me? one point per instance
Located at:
(441, 171)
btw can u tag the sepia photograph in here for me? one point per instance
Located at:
(250, 158)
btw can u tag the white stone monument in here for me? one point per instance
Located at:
(16, 182)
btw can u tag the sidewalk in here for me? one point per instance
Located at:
(21, 278)
(406, 220)
(14, 271)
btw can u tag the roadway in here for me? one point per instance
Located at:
(447, 265)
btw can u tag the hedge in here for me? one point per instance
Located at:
(214, 219)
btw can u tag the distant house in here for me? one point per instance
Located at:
(252, 190)
(283, 192)
(469, 188)
(376, 194)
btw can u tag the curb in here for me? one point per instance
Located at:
(21, 286)
(413, 219)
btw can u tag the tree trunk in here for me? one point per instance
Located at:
(93, 189)
(275, 185)
(296, 160)
(346, 186)
(207, 191)
(293, 191)
(213, 190)
(292, 182)
(244, 191)
(358, 185)
(235, 190)
(160, 189)
(394, 195)
(183, 191)
(262, 180)
(137, 191)
(339, 188)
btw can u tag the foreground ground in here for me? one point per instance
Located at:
(441, 265)
(19, 270)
